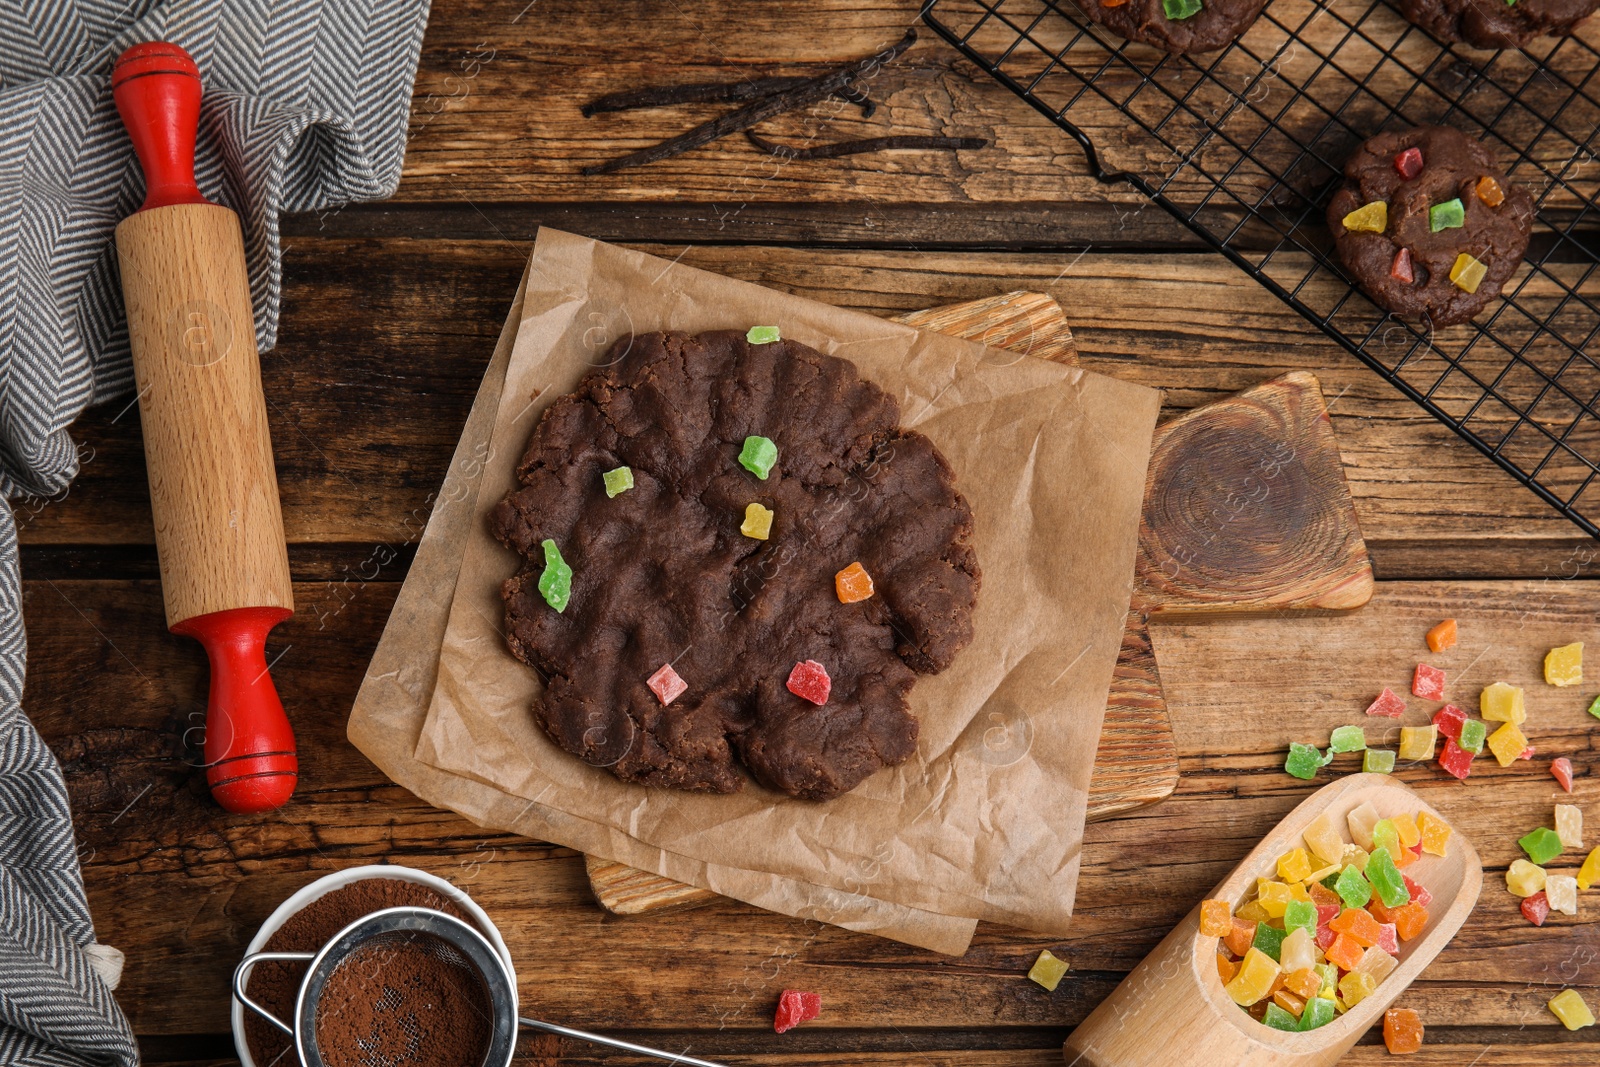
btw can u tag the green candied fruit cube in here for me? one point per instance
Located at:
(1353, 887)
(1347, 739)
(1178, 10)
(1384, 835)
(1300, 914)
(1473, 731)
(1377, 761)
(1280, 1019)
(1541, 845)
(762, 335)
(618, 481)
(1330, 979)
(758, 455)
(1318, 1012)
(1269, 939)
(1332, 881)
(1386, 879)
(1594, 708)
(1302, 761)
(555, 582)
(1449, 215)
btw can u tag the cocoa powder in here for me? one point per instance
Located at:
(274, 984)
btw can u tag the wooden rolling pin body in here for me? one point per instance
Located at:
(213, 490)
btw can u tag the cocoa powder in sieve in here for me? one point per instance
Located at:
(274, 984)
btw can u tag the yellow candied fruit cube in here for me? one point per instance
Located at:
(1324, 838)
(757, 522)
(1257, 972)
(1356, 987)
(1048, 971)
(1524, 879)
(1251, 911)
(1507, 743)
(1355, 856)
(1405, 824)
(1294, 865)
(1569, 825)
(1589, 873)
(1216, 918)
(1568, 1006)
(1298, 891)
(1468, 272)
(1564, 665)
(1502, 703)
(1417, 742)
(1274, 899)
(1435, 833)
(1371, 218)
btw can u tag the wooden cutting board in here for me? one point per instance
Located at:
(1246, 510)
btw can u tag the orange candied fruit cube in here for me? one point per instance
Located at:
(1409, 920)
(853, 584)
(1442, 636)
(1216, 918)
(1289, 1002)
(1402, 1031)
(1490, 192)
(1226, 968)
(1344, 953)
(1241, 937)
(1358, 925)
(1304, 983)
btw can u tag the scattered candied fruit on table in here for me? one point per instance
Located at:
(1473, 733)
(666, 684)
(1569, 1006)
(1387, 704)
(1536, 908)
(1427, 682)
(1216, 918)
(1303, 761)
(853, 584)
(1508, 744)
(1448, 719)
(1524, 878)
(809, 680)
(1589, 873)
(1500, 702)
(1561, 768)
(1377, 761)
(757, 523)
(758, 455)
(1455, 759)
(1402, 1031)
(1048, 970)
(1417, 742)
(1442, 636)
(1347, 739)
(794, 1008)
(1542, 845)
(1564, 666)
(1561, 892)
(1569, 825)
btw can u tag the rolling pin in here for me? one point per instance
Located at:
(213, 490)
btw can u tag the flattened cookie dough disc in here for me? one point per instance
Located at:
(1495, 23)
(1452, 166)
(1216, 25)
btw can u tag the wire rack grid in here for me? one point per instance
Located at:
(1244, 146)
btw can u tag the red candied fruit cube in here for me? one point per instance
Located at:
(794, 1008)
(1409, 163)
(1562, 769)
(1389, 938)
(1449, 719)
(666, 684)
(1325, 937)
(1401, 270)
(1419, 892)
(809, 680)
(1536, 908)
(1387, 704)
(1427, 682)
(1455, 759)
(1526, 753)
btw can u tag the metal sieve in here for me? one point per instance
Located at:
(447, 939)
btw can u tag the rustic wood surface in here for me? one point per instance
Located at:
(390, 313)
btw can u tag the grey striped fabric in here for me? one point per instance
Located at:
(305, 109)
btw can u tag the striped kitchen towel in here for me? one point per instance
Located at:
(305, 109)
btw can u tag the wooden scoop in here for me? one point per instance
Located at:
(1172, 1008)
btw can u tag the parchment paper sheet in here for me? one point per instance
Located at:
(1052, 460)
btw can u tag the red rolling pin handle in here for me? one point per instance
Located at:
(249, 748)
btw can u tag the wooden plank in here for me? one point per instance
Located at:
(370, 384)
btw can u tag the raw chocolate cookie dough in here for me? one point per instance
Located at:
(1427, 223)
(662, 574)
(1495, 23)
(1185, 27)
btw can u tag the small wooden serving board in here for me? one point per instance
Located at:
(1246, 510)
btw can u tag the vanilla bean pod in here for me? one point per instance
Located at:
(712, 93)
(869, 144)
(803, 95)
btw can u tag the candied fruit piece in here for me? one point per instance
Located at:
(1402, 1031)
(1569, 825)
(1274, 898)
(1377, 761)
(1468, 272)
(1568, 1006)
(1241, 937)
(1401, 269)
(1409, 920)
(1405, 824)
(1419, 893)
(1369, 218)
(666, 684)
(1297, 951)
(757, 523)
(1408, 164)
(1300, 915)
(1536, 908)
(1378, 962)
(1294, 865)
(1361, 819)
(1524, 878)
(1427, 682)
(1356, 987)
(1389, 938)
(1252, 911)
(1455, 759)
(1277, 1016)
(1448, 719)
(1442, 636)
(758, 455)
(853, 584)
(1564, 666)
(1502, 703)
(1594, 707)
(1047, 970)
(1257, 971)
(1561, 891)
(1386, 836)
(1386, 880)
(1488, 190)
(1417, 742)
(762, 335)
(1358, 925)
(1216, 918)
(1388, 703)
(1302, 761)
(1589, 873)
(1319, 1012)
(1353, 887)
(1226, 968)
(1450, 215)
(1507, 744)
(809, 680)
(794, 1008)
(1473, 732)
(1289, 1002)
(617, 481)
(1269, 939)
(1344, 953)
(1304, 983)
(1347, 739)
(1323, 838)
(555, 581)
(1178, 10)
(1561, 767)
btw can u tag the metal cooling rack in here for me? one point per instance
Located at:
(1244, 146)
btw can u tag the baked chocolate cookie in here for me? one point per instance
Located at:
(1427, 223)
(665, 572)
(1184, 27)
(1496, 23)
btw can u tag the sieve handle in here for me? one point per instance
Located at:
(241, 978)
(611, 1042)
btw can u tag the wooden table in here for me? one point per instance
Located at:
(390, 313)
